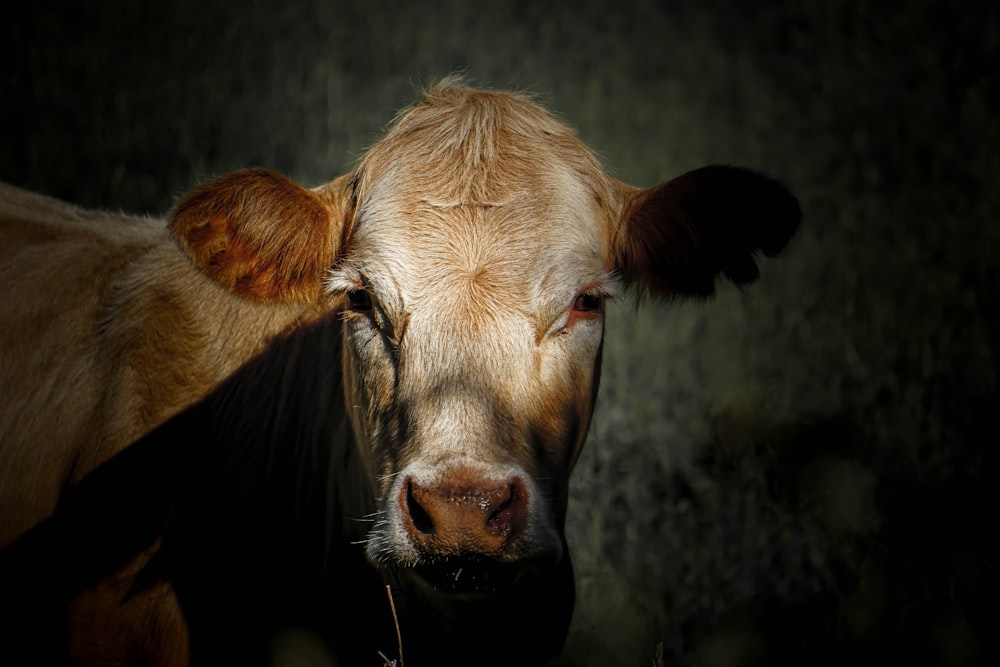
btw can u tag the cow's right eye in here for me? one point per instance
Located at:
(359, 300)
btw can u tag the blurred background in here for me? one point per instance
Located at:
(797, 474)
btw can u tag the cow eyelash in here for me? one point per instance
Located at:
(588, 302)
(359, 300)
(360, 304)
(591, 298)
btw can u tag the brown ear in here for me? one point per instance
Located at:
(676, 237)
(261, 235)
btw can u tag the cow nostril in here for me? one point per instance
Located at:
(418, 515)
(501, 518)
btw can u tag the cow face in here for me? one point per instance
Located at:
(473, 337)
(471, 254)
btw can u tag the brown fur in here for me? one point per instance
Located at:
(680, 235)
(260, 235)
(108, 331)
(116, 624)
(112, 324)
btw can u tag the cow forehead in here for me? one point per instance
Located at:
(529, 250)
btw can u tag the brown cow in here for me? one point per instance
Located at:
(462, 268)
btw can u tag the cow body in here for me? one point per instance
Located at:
(108, 330)
(383, 380)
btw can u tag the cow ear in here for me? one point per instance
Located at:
(677, 237)
(263, 236)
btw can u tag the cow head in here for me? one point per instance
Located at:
(471, 254)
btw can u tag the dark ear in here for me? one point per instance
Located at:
(676, 237)
(261, 235)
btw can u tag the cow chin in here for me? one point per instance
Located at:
(458, 607)
(468, 578)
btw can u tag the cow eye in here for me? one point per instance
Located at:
(587, 303)
(359, 300)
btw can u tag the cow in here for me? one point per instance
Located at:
(352, 409)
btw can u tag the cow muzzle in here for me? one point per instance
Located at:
(463, 517)
(466, 529)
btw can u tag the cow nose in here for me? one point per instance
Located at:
(464, 517)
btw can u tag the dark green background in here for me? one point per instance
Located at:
(799, 474)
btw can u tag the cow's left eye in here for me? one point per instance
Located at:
(587, 303)
(359, 300)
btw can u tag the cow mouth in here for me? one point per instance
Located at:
(466, 577)
(472, 602)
